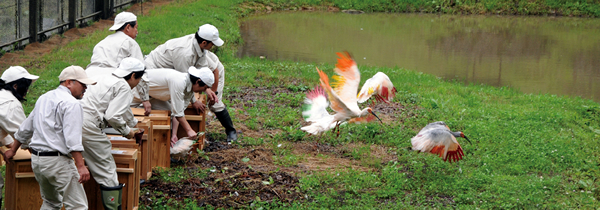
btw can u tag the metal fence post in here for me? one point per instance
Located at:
(34, 8)
(72, 12)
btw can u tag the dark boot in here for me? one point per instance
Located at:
(111, 197)
(225, 120)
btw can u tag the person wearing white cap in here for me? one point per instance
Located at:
(172, 90)
(190, 50)
(105, 103)
(108, 53)
(193, 50)
(53, 134)
(14, 84)
(219, 107)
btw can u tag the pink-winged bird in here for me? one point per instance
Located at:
(437, 138)
(343, 98)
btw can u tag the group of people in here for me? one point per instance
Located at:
(66, 124)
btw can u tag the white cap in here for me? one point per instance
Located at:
(127, 66)
(76, 73)
(121, 19)
(205, 74)
(16, 72)
(210, 33)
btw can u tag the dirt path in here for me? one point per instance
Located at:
(34, 51)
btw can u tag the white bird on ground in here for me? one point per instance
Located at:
(437, 138)
(183, 146)
(343, 97)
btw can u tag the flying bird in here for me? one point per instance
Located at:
(437, 138)
(343, 98)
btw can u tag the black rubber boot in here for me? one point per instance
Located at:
(225, 120)
(111, 197)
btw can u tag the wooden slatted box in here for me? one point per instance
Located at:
(128, 169)
(160, 151)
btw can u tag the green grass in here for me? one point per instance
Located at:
(589, 8)
(529, 150)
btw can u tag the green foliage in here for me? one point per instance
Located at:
(529, 151)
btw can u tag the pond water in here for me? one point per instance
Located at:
(532, 54)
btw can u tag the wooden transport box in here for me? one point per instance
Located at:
(128, 168)
(144, 147)
(23, 191)
(161, 136)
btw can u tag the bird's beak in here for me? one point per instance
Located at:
(376, 117)
(467, 139)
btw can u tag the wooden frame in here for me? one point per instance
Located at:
(23, 191)
(128, 169)
(160, 152)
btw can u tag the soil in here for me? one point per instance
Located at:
(246, 174)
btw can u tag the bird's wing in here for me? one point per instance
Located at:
(315, 105)
(347, 80)
(336, 102)
(379, 85)
(319, 126)
(364, 119)
(434, 126)
(182, 146)
(440, 142)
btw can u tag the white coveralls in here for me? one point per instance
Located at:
(11, 117)
(106, 102)
(168, 89)
(109, 53)
(179, 54)
(219, 106)
(54, 125)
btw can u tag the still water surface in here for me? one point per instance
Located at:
(533, 54)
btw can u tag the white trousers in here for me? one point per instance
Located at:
(98, 157)
(59, 182)
(219, 106)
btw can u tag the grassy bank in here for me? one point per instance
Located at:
(528, 151)
(585, 8)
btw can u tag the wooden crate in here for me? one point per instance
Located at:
(145, 148)
(196, 120)
(23, 191)
(161, 136)
(128, 169)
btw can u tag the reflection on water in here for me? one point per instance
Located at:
(533, 54)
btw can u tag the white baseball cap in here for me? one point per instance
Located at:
(76, 73)
(210, 33)
(14, 73)
(127, 66)
(204, 73)
(121, 19)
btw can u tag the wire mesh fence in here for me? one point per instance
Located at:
(48, 17)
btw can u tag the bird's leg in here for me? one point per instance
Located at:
(337, 125)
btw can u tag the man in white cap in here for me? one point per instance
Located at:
(53, 134)
(14, 84)
(219, 107)
(109, 52)
(193, 50)
(172, 90)
(107, 102)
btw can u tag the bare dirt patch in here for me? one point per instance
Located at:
(241, 175)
